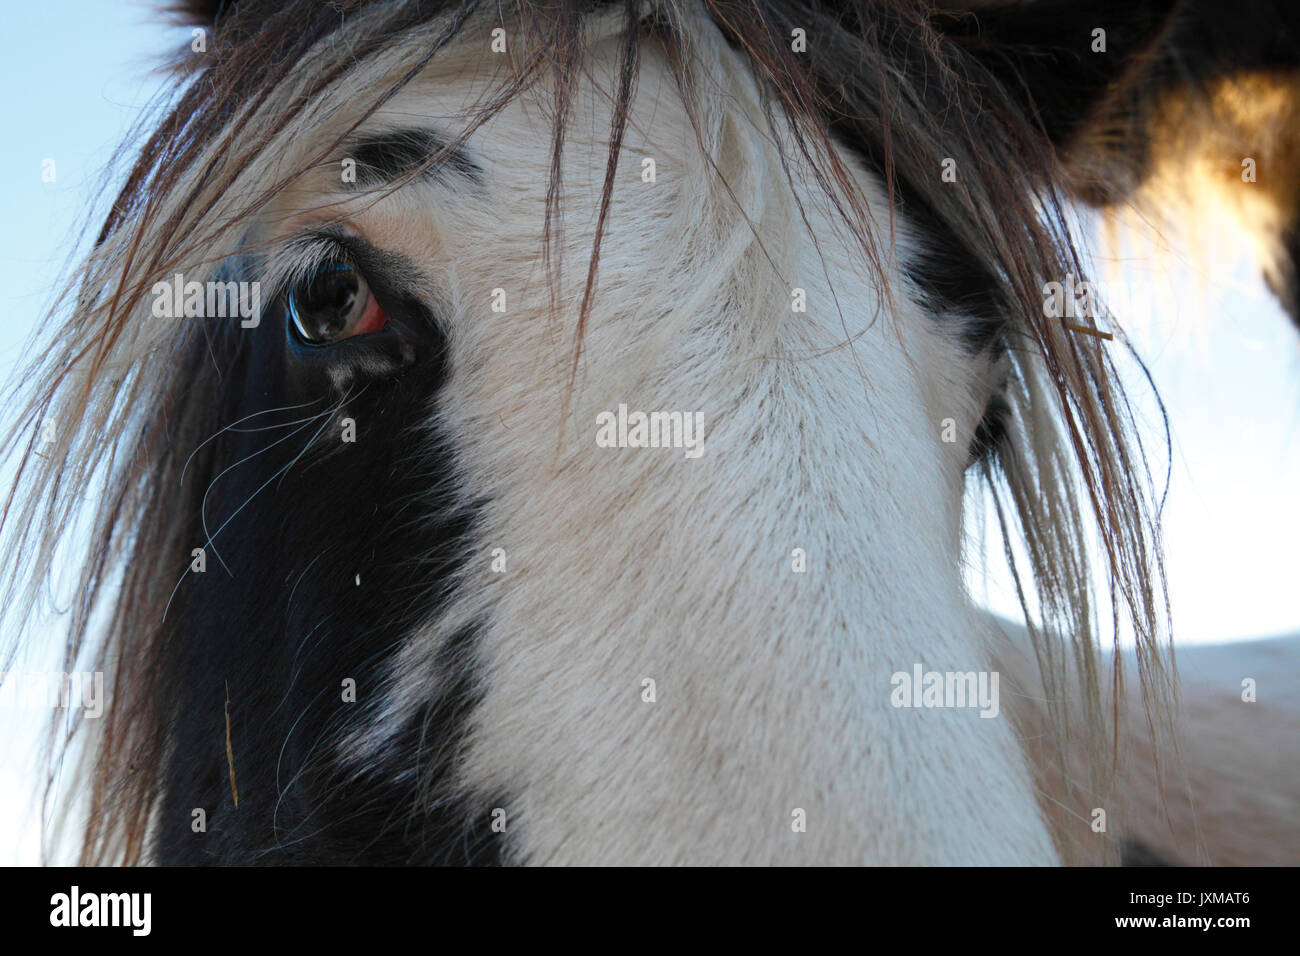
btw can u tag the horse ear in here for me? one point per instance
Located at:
(1072, 63)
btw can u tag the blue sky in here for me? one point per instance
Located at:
(77, 73)
(1224, 358)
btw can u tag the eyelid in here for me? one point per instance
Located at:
(313, 251)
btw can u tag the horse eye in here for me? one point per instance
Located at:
(332, 304)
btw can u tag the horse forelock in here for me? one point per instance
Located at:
(388, 587)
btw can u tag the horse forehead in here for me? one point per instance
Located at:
(451, 96)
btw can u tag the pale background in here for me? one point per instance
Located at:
(77, 72)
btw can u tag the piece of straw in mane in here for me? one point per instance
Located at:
(882, 81)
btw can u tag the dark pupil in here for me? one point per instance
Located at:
(325, 302)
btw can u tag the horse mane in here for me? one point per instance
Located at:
(883, 81)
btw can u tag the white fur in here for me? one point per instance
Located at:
(822, 433)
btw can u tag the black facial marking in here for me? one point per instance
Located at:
(385, 157)
(954, 280)
(956, 285)
(288, 622)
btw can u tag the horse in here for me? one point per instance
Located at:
(538, 433)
